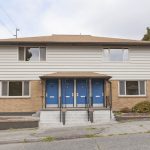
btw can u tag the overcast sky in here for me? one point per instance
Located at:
(109, 18)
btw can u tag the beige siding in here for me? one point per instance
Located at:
(8, 54)
(74, 59)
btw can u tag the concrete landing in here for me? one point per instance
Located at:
(15, 122)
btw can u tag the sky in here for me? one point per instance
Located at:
(104, 18)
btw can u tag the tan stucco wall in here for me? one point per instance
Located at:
(32, 104)
(122, 102)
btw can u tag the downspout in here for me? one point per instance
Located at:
(110, 98)
(42, 96)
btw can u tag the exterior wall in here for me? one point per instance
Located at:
(72, 58)
(119, 102)
(32, 104)
(75, 58)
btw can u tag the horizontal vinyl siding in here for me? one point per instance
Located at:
(74, 59)
(74, 54)
(140, 55)
(8, 54)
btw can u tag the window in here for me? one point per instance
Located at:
(32, 54)
(132, 88)
(14, 88)
(115, 54)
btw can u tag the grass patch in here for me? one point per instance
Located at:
(110, 134)
(25, 141)
(91, 136)
(117, 112)
(123, 133)
(91, 128)
(147, 131)
(48, 139)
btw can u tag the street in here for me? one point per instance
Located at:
(114, 142)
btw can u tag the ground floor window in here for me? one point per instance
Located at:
(14, 88)
(132, 88)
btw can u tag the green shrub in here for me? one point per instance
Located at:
(125, 110)
(142, 107)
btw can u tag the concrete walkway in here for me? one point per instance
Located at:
(35, 135)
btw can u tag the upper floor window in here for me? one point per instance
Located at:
(132, 88)
(115, 54)
(14, 88)
(32, 54)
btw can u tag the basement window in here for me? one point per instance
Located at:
(15, 88)
(132, 88)
(115, 54)
(32, 53)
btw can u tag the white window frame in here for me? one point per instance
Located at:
(139, 95)
(24, 49)
(109, 49)
(28, 96)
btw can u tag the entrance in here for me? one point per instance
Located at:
(97, 92)
(52, 93)
(82, 92)
(68, 92)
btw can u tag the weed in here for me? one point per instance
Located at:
(91, 136)
(48, 139)
(91, 128)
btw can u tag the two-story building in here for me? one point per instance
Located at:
(80, 73)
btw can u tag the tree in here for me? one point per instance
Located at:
(147, 35)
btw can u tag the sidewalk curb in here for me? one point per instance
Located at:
(31, 140)
(20, 141)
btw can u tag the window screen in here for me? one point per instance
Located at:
(122, 87)
(142, 87)
(21, 53)
(42, 53)
(26, 88)
(4, 88)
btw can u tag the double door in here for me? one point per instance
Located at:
(74, 96)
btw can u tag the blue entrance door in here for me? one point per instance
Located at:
(52, 92)
(68, 92)
(97, 91)
(82, 92)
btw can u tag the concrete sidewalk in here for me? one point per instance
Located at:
(35, 135)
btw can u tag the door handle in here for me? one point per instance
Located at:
(77, 94)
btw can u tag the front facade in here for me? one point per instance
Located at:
(72, 72)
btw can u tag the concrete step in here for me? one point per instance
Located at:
(49, 116)
(72, 118)
(76, 117)
(102, 116)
